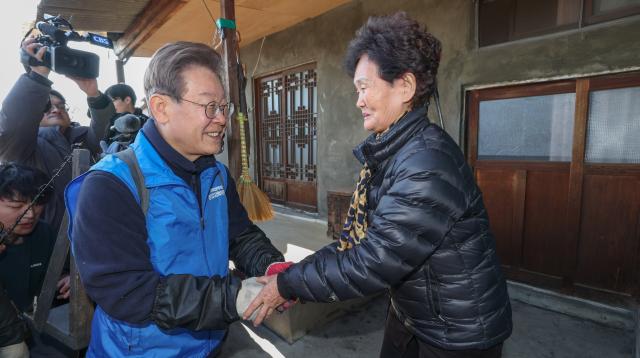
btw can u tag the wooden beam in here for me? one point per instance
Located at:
(576, 179)
(151, 18)
(230, 80)
(120, 71)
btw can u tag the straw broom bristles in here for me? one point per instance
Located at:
(256, 202)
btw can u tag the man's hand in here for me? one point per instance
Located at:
(64, 287)
(34, 49)
(88, 85)
(248, 292)
(266, 301)
(2, 248)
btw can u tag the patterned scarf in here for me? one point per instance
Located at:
(355, 226)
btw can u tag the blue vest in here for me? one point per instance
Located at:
(179, 242)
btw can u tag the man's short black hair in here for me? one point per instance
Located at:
(121, 91)
(57, 94)
(21, 182)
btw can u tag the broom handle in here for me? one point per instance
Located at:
(243, 145)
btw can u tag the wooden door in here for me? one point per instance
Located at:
(287, 136)
(559, 167)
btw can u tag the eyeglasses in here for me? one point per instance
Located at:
(212, 109)
(59, 106)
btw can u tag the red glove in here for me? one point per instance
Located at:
(274, 269)
(277, 267)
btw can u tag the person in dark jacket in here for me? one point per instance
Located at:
(417, 226)
(12, 328)
(124, 100)
(27, 246)
(160, 275)
(35, 128)
(23, 264)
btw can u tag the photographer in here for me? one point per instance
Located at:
(35, 128)
(27, 243)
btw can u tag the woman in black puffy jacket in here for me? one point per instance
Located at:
(417, 226)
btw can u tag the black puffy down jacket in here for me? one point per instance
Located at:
(428, 243)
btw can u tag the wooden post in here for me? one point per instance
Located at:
(120, 71)
(69, 323)
(230, 81)
(80, 306)
(54, 270)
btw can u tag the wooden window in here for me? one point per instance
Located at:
(596, 11)
(502, 21)
(527, 128)
(271, 125)
(300, 125)
(508, 20)
(613, 128)
(558, 164)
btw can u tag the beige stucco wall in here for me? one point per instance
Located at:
(614, 46)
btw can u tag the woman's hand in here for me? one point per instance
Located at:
(267, 300)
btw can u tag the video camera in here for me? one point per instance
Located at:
(122, 133)
(55, 33)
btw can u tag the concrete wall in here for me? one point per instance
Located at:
(609, 47)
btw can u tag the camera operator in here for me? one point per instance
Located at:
(124, 100)
(35, 128)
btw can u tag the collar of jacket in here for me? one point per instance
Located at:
(75, 134)
(71, 135)
(180, 165)
(376, 149)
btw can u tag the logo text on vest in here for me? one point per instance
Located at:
(215, 192)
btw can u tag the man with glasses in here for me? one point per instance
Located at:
(27, 247)
(157, 264)
(35, 128)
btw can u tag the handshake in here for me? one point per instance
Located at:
(259, 296)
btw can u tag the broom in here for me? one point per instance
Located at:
(254, 200)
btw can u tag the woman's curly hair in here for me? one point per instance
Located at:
(398, 45)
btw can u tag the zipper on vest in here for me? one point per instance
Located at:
(195, 185)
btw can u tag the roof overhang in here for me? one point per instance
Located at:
(140, 27)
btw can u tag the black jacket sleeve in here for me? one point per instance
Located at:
(252, 252)
(110, 248)
(196, 303)
(102, 110)
(20, 118)
(405, 228)
(249, 247)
